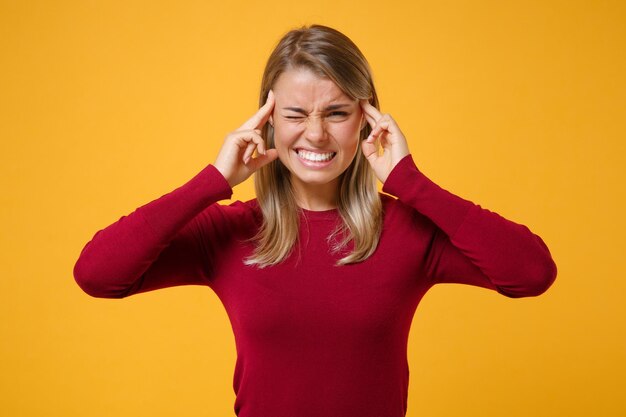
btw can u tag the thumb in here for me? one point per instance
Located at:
(370, 150)
(262, 160)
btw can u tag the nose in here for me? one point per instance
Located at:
(315, 129)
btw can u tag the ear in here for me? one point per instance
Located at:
(271, 120)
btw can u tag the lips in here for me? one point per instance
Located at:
(315, 156)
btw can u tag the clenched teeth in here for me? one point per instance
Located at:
(314, 156)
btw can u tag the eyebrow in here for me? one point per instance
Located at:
(329, 108)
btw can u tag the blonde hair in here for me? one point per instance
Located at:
(327, 53)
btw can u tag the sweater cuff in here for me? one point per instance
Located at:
(211, 177)
(205, 188)
(394, 182)
(412, 187)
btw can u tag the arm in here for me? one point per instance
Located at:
(158, 245)
(168, 242)
(473, 245)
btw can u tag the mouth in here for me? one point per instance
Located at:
(315, 157)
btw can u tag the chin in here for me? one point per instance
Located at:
(315, 179)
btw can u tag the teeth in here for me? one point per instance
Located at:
(314, 156)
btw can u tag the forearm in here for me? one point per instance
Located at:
(117, 256)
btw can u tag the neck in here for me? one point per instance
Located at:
(316, 197)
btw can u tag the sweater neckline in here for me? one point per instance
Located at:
(329, 214)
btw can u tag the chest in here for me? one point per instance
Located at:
(310, 296)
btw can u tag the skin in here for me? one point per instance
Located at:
(307, 117)
(298, 109)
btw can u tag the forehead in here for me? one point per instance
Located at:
(305, 88)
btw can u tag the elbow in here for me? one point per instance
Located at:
(534, 281)
(543, 278)
(91, 282)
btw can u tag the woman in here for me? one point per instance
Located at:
(320, 274)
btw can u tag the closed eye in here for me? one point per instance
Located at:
(331, 114)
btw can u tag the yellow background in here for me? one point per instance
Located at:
(105, 105)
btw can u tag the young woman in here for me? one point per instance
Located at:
(320, 274)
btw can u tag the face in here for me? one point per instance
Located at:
(316, 129)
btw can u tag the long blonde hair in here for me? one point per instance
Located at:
(328, 53)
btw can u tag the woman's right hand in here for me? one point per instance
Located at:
(235, 160)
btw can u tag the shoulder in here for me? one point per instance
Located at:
(235, 216)
(395, 212)
(246, 211)
(394, 207)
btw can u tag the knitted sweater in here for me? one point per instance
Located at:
(314, 339)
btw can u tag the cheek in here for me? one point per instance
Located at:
(287, 132)
(349, 127)
(347, 133)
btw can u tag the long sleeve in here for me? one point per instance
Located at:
(473, 245)
(158, 245)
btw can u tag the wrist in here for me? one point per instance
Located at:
(224, 174)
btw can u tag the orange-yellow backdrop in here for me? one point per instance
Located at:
(518, 106)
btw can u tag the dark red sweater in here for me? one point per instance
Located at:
(314, 339)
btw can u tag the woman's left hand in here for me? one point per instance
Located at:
(385, 134)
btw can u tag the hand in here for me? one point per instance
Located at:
(387, 135)
(235, 160)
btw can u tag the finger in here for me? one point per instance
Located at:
(381, 127)
(384, 142)
(375, 118)
(370, 120)
(370, 150)
(393, 130)
(261, 116)
(249, 151)
(260, 142)
(262, 160)
(387, 124)
(371, 110)
(253, 142)
(242, 138)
